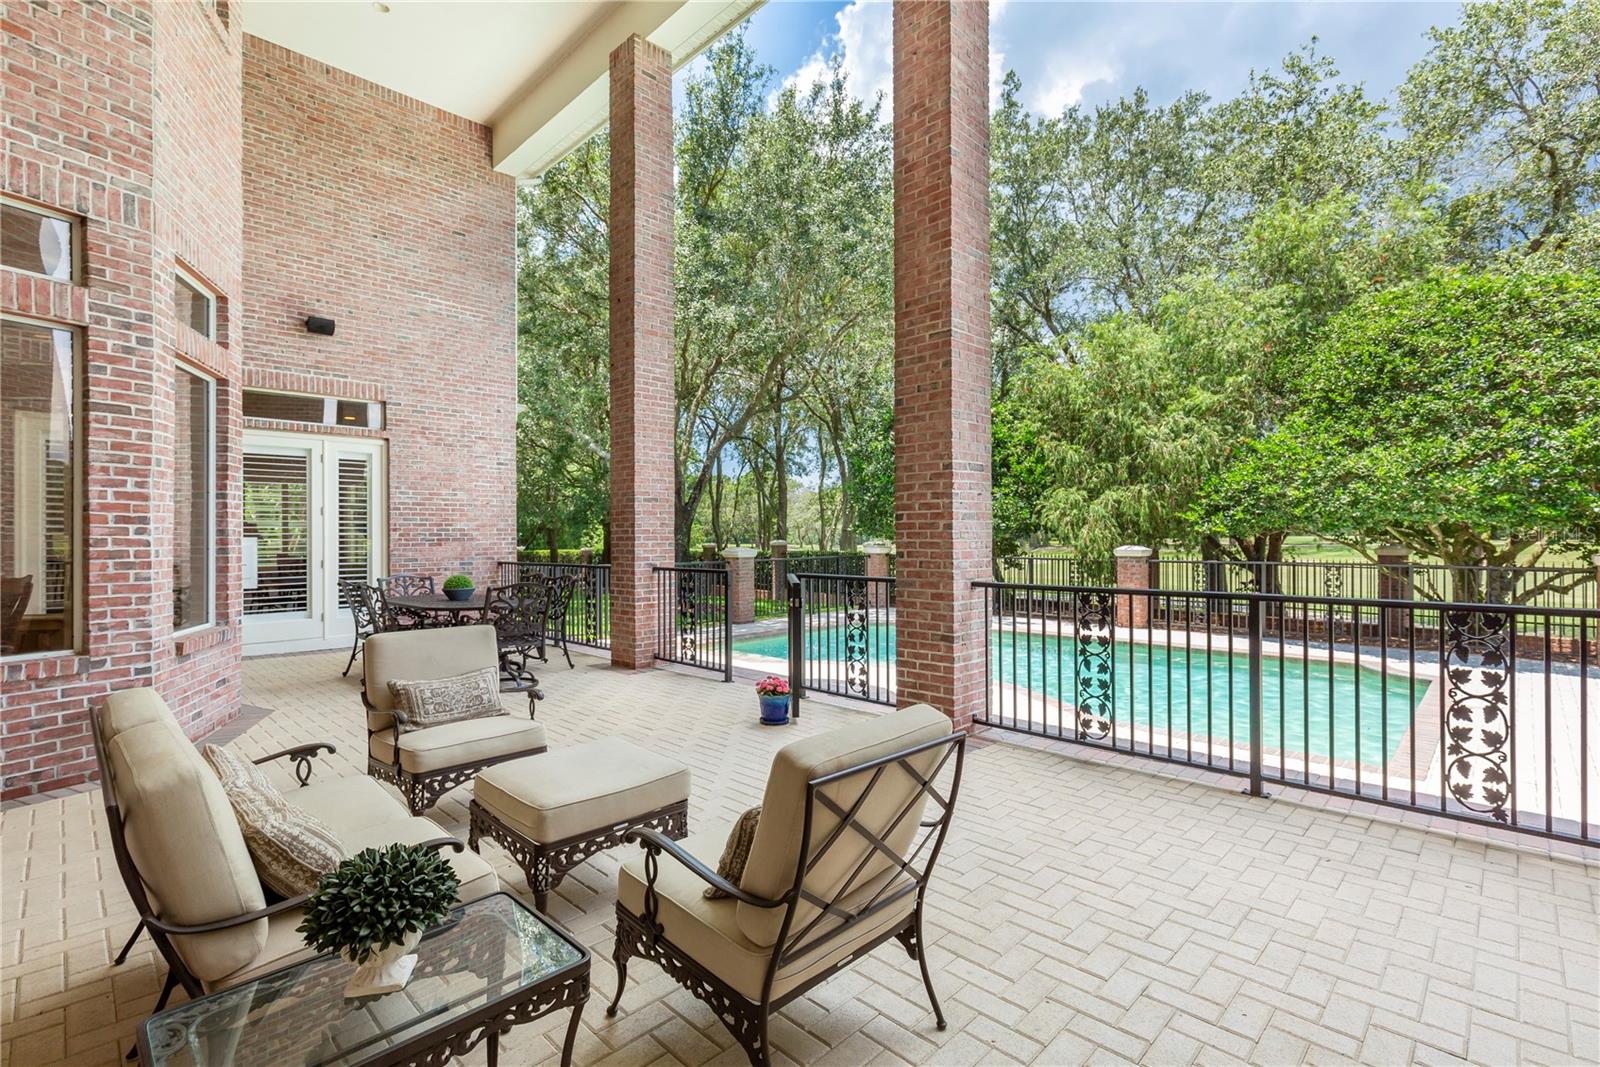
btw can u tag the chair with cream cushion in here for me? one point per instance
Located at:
(851, 803)
(429, 763)
(182, 854)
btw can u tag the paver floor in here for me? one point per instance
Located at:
(1083, 912)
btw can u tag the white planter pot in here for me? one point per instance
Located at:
(386, 971)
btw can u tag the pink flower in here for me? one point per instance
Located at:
(773, 686)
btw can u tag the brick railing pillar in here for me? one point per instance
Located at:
(943, 502)
(1133, 572)
(586, 555)
(643, 408)
(779, 551)
(708, 552)
(741, 564)
(877, 553)
(1394, 583)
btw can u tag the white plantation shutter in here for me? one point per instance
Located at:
(277, 514)
(355, 518)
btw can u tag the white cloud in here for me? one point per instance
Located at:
(1064, 87)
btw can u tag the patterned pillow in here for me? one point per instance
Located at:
(292, 849)
(474, 695)
(736, 853)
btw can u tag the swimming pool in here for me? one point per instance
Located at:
(1189, 691)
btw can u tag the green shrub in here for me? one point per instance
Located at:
(458, 581)
(376, 897)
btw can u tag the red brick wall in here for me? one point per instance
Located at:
(642, 406)
(941, 296)
(126, 116)
(384, 214)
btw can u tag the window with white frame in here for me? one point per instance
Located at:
(194, 519)
(196, 305)
(39, 486)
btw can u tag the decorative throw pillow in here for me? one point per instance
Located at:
(736, 853)
(474, 695)
(292, 849)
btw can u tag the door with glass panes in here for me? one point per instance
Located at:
(313, 514)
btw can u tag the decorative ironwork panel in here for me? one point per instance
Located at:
(1093, 621)
(857, 676)
(1332, 580)
(688, 619)
(1477, 746)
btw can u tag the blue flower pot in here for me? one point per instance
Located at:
(774, 710)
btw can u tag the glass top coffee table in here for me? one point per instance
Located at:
(491, 965)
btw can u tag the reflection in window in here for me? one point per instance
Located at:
(195, 306)
(38, 487)
(194, 506)
(36, 242)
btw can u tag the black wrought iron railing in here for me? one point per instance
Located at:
(588, 619)
(841, 636)
(693, 624)
(1051, 568)
(1481, 712)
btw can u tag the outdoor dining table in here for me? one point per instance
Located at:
(436, 609)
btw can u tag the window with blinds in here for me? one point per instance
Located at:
(355, 518)
(277, 534)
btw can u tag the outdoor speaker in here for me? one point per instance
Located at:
(317, 324)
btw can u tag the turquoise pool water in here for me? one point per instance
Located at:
(1188, 690)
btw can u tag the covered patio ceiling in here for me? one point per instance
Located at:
(535, 73)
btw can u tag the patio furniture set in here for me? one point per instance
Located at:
(834, 862)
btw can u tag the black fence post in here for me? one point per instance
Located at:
(1256, 624)
(797, 650)
(726, 578)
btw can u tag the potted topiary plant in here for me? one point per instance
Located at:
(458, 587)
(373, 908)
(773, 693)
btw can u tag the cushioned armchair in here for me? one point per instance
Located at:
(183, 857)
(426, 764)
(839, 864)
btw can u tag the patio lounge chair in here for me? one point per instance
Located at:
(839, 864)
(183, 858)
(426, 764)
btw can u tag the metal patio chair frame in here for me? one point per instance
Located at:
(520, 615)
(643, 935)
(362, 600)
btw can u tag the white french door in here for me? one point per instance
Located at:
(313, 514)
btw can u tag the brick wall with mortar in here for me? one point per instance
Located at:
(384, 214)
(643, 410)
(941, 283)
(126, 117)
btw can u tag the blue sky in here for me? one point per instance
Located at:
(1093, 52)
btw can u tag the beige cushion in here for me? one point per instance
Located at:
(419, 705)
(477, 877)
(708, 930)
(736, 853)
(349, 805)
(572, 791)
(771, 870)
(182, 835)
(468, 741)
(291, 848)
(418, 655)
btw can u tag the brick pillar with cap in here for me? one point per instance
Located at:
(943, 503)
(741, 564)
(779, 550)
(1133, 572)
(1394, 583)
(643, 408)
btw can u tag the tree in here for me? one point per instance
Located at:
(1456, 414)
(1504, 113)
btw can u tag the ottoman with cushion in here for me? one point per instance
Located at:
(555, 810)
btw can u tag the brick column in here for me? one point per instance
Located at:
(1394, 583)
(642, 404)
(779, 551)
(877, 553)
(586, 556)
(741, 564)
(708, 552)
(941, 336)
(1133, 572)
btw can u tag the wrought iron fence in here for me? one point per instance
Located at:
(1487, 714)
(588, 620)
(841, 636)
(1048, 568)
(693, 624)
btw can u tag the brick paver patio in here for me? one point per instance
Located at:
(1084, 912)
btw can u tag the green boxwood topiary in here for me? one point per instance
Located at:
(458, 581)
(376, 897)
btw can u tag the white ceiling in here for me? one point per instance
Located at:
(535, 71)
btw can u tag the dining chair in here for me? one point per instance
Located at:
(519, 614)
(363, 604)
